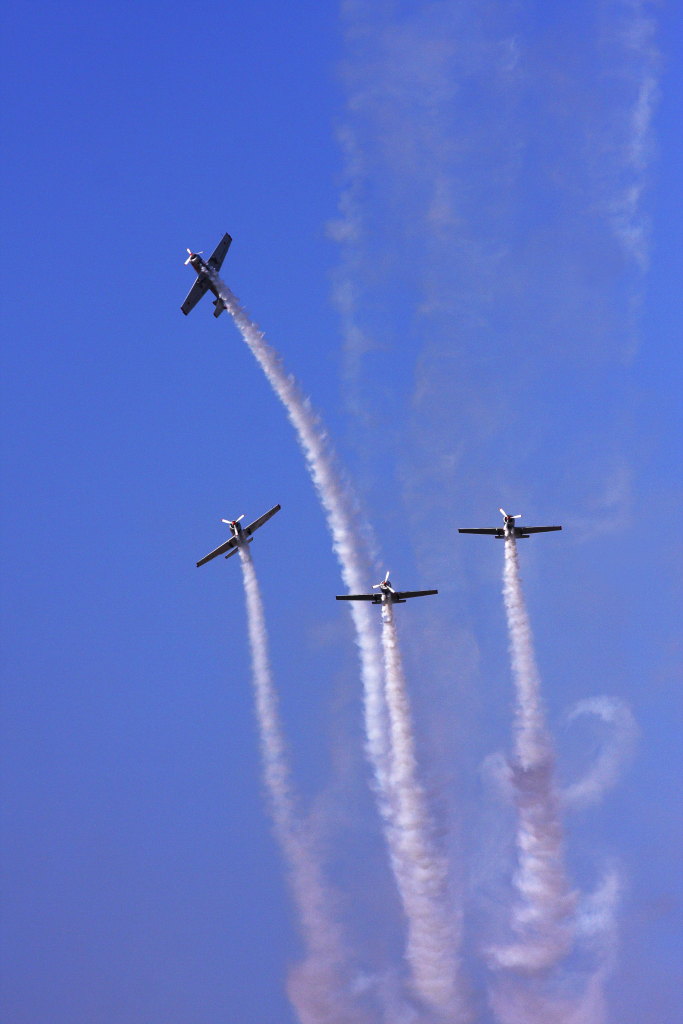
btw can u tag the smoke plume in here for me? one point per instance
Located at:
(607, 768)
(421, 871)
(542, 918)
(318, 987)
(339, 504)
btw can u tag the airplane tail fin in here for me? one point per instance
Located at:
(220, 307)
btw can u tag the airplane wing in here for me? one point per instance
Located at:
(226, 546)
(375, 598)
(218, 255)
(495, 532)
(538, 529)
(261, 520)
(194, 295)
(402, 594)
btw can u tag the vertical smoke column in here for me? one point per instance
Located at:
(338, 504)
(421, 872)
(543, 917)
(317, 987)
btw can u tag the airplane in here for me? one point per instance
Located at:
(510, 530)
(387, 594)
(240, 535)
(206, 276)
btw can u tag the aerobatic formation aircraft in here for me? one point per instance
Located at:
(206, 276)
(240, 536)
(386, 594)
(510, 530)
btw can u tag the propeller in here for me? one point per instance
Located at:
(384, 582)
(191, 254)
(506, 516)
(232, 522)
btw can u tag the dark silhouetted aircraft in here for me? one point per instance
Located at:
(386, 594)
(510, 530)
(239, 537)
(205, 276)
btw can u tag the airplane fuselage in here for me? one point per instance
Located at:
(202, 269)
(240, 536)
(205, 273)
(238, 533)
(512, 531)
(198, 264)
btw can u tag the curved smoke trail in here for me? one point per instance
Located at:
(421, 872)
(317, 987)
(337, 501)
(542, 919)
(574, 1000)
(606, 770)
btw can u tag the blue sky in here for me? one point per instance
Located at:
(460, 226)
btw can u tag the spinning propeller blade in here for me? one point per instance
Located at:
(231, 522)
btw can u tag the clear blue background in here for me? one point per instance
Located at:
(514, 353)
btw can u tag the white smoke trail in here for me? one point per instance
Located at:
(421, 872)
(629, 45)
(543, 977)
(543, 918)
(339, 505)
(572, 998)
(596, 927)
(607, 768)
(317, 988)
